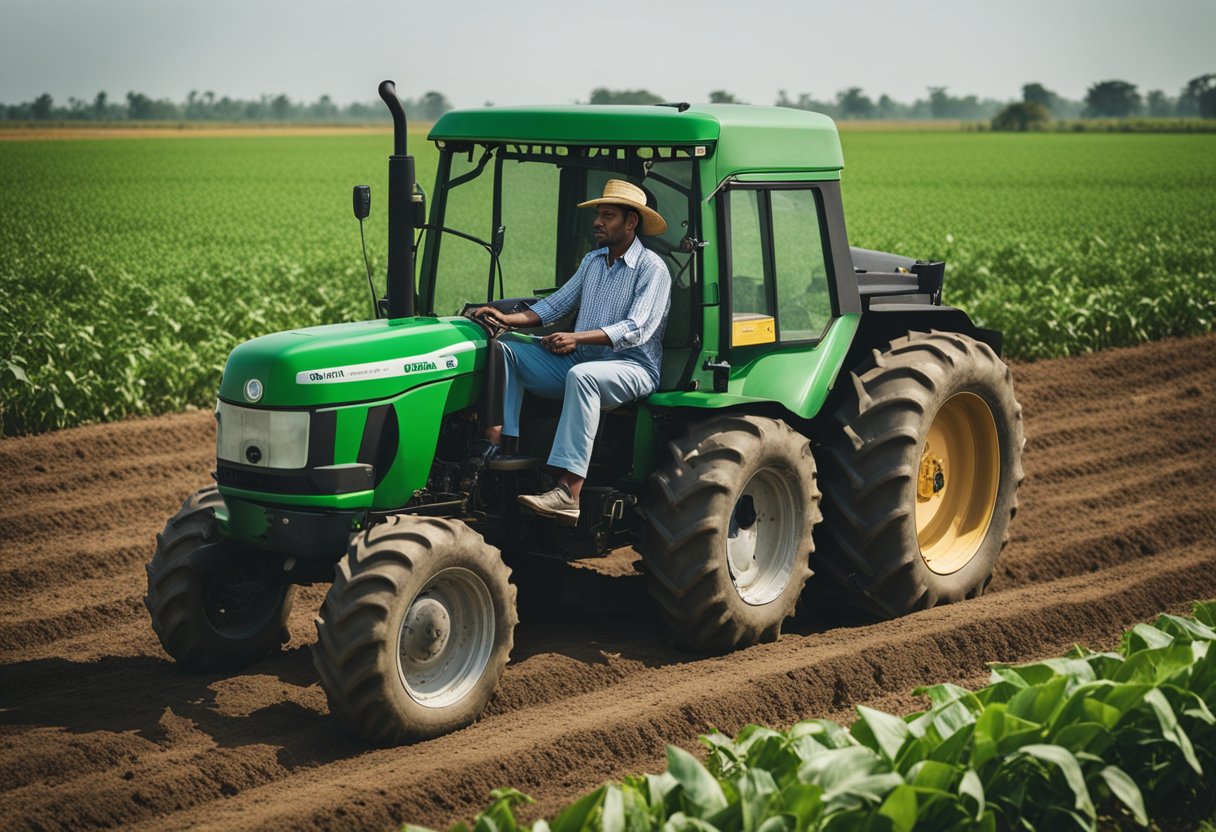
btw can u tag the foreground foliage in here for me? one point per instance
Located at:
(130, 268)
(1120, 737)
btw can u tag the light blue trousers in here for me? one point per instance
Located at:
(586, 385)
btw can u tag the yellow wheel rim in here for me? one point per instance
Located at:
(956, 483)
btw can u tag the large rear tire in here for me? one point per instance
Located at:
(416, 630)
(729, 532)
(213, 607)
(923, 463)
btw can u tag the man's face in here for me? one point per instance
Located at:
(610, 226)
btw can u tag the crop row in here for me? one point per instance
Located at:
(129, 269)
(1116, 738)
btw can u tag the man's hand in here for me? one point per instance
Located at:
(506, 319)
(559, 343)
(489, 312)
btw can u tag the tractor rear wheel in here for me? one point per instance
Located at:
(921, 475)
(416, 630)
(212, 606)
(729, 533)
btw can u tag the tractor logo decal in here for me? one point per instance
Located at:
(326, 375)
(440, 360)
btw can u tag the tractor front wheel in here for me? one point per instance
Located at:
(729, 534)
(213, 606)
(416, 630)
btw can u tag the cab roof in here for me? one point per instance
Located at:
(746, 138)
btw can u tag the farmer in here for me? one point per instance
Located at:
(622, 291)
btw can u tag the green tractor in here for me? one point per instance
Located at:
(792, 365)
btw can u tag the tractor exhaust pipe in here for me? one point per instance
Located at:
(400, 282)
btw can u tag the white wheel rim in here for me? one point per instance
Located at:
(762, 537)
(446, 638)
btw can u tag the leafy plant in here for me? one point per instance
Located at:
(1091, 737)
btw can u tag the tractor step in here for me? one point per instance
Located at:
(514, 463)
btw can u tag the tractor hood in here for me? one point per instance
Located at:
(355, 362)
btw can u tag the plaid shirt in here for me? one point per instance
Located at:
(629, 300)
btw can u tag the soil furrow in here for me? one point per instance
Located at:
(628, 725)
(99, 728)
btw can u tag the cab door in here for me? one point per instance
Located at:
(786, 270)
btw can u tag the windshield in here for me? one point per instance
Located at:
(521, 201)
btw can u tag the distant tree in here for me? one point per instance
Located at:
(254, 110)
(723, 97)
(1021, 117)
(280, 107)
(42, 106)
(99, 105)
(806, 102)
(1198, 97)
(940, 104)
(601, 95)
(1160, 105)
(888, 108)
(1036, 93)
(432, 105)
(142, 108)
(853, 103)
(1112, 99)
(192, 110)
(139, 106)
(323, 109)
(227, 110)
(364, 111)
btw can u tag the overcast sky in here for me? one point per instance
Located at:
(543, 51)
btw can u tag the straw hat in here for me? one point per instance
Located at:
(620, 192)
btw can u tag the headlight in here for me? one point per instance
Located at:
(265, 438)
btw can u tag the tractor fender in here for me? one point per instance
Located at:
(794, 384)
(883, 322)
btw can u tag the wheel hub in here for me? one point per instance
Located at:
(238, 601)
(932, 477)
(956, 484)
(446, 638)
(425, 632)
(762, 537)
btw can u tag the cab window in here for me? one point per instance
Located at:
(778, 265)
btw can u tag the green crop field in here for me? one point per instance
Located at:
(131, 267)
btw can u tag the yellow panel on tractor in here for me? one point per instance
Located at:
(749, 328)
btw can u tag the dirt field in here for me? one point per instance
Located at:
(98, 728)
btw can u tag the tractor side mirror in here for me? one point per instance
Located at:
(362, 198)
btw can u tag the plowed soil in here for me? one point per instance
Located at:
(99, 728)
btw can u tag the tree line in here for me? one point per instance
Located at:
(1103, 99)
(206, 106)
(1038, 104)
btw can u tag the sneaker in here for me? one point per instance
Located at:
(558, 504)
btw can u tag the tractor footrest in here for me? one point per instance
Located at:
(514, 463)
